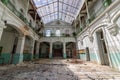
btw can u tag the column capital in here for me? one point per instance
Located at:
(64, 42)
(2, 25)
(51, 42)
(20, 37)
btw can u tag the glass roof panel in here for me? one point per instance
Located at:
(66, 10)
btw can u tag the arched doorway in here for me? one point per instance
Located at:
(70, 49)
(102, 48)
(35, 50)
(8, 43)
(58, 49)
(44, 49)
(28, 49)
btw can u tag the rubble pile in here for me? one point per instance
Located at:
(55, 69)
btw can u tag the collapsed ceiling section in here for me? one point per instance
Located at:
(65, 10)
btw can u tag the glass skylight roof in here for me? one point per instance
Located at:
(65, 10)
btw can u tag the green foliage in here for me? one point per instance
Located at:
(74, 34)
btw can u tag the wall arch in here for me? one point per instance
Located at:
(116, 17)
(15, 27)
(30, 37)
(70, 42)
(44, 42)
(98, 27)
(85, 36)
(57, 41)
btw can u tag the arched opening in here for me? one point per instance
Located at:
(70, 49)
(8, 44)
(102, 47)
(57, 49)
(28, 48)
(44, 49)
(35, 50)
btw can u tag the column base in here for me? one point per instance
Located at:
(36, 56)
(27, 56)
(50, 55)
(18, 58)
(64, 55)
(5, 58)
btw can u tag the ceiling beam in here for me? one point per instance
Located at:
(57, 2)
(67, 14)
(33, 5)
(60, 12)
(49, 14)
(68, 4)
(47, 4)
(58, 9)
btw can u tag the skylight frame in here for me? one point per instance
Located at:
(65, 10)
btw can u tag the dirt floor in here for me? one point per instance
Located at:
(57, 69)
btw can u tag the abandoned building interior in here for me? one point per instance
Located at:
(42, 31)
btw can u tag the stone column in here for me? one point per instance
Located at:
(51, 47)
(88, 15)
(2, 26)
(27, 8)
(1, 31)
(80, 22)
(75, 27)
(64, 51)
(37, 50)
(18, 57)
(32, 49)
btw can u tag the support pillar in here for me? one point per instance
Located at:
(88, 15)
(75, 26)
(1, 31)
(64, 51)
(2, 26)
(27, 8)
(51, 47)
(18, 56)
(32, 49)
(37, 50)
(80, 23)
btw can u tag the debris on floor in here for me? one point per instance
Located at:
(75, 61)
(57, 69)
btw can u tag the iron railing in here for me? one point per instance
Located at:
(19, 14)
(95, 14)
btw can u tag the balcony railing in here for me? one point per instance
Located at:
(53, 35)
(19, 14)
(94, 15)
(105, 4)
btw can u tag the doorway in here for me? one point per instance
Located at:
(14, 49)
(87, 54)
(8, 43)
(35, 46)
(58, 49)
(44, 50)
(102, 48)
(70, 49)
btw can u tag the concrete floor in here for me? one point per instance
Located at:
(57, 69)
